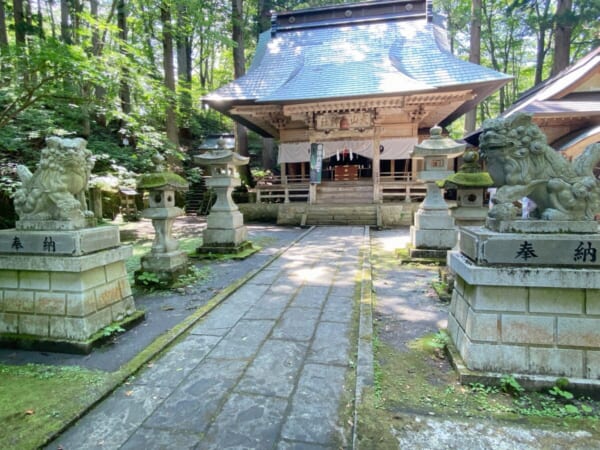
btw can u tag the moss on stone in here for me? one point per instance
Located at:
(459, 179)
(162, 180)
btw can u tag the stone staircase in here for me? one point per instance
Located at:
(336, 214)
(194, 198)
(340, 192)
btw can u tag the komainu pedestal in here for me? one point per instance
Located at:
(527, 303)
(60, 288)
(527, 293)
(61, 282)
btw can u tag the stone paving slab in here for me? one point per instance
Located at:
(331, 344)
(115, 419)
(312, 419)
(192, 405)
(297, 324)
(247, 422)
(265, 369)
(175, 365)
(273, 371)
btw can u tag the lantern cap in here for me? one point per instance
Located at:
(438, 145)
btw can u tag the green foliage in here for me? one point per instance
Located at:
(510, 385)
(149, 279)
(111, 330)
(194, 275)
(560, 393)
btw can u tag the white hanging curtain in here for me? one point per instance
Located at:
(397, 148)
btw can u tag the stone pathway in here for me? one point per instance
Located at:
(266, 369)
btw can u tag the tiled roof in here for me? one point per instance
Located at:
(560, 86)
(358, 59)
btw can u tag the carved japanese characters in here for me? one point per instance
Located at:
(523, 165)
(56, 191)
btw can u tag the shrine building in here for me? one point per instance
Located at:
(566, 106)
(356, 86)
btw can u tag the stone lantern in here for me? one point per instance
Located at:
(434, 231)
(225, 231)
(165, 259)
(470, 183)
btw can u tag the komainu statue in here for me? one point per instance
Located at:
(523, 165)
(56, 191)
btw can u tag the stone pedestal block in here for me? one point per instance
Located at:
(438, 239)
(59, 302)
(469, 216)
(434, 220)
(229, 220)
(525, 319)
(166, 266)
(487, 247)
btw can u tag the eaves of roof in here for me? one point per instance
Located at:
(357, 60)
(559, 85)
(577, 137)
(589, 107)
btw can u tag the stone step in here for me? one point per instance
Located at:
(341, 215)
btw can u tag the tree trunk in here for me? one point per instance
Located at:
(474, 56)
(50, 13)
(184, 72)
(239, 69)
(77, 8)
(40, 20)
(562, 36)
(124, 89)
(167, 38)
(3, 29)
(268, 158)
(264, 15)
(65, 28)
(543, 19)
(237, 34)
(19, 19)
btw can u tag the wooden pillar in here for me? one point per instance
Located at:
(376, 168)
(283, 173)
(284, 183)
(312, 187)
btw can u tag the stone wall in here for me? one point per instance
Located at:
(75, 298)
(541, 324)
(259, 212)
(392, 215)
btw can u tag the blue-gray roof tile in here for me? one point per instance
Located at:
(360, 59)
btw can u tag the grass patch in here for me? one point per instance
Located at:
(417, 381)
(420, 383)
(36, 401)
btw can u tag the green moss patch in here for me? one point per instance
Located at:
(421, 382)
(161, 180)
(224, 253)
(36, 401)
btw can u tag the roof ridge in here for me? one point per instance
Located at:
(350, 13)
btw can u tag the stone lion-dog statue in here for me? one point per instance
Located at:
(522, 164)
(56, 191)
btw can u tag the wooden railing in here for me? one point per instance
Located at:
(400, 186)
(273, 189)
(394, 187)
